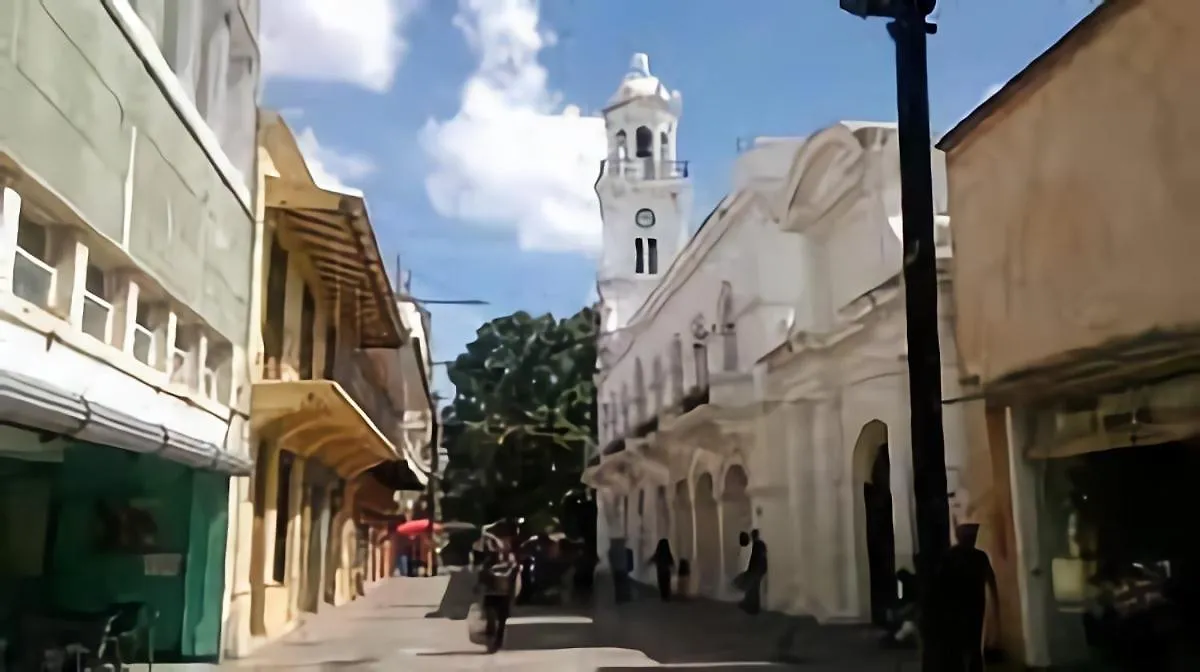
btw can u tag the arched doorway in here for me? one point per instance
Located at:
(706, 569)
(662, 516)
(873, 470)
(681, 545)
(736, 517)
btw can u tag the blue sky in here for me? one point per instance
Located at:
(470, 126)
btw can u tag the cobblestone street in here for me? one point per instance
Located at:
(416, 624)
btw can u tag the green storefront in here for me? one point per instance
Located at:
(96, 526)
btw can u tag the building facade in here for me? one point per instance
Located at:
(1073, 198)
(755, 376)
(127, 148)
(834, 440)
(340, 411)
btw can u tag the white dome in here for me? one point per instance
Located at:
(639, 83)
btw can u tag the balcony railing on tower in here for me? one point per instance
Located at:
(645, 169)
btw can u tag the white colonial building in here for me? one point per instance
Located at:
(754, 375)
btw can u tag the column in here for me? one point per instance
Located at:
(166, 333)
(70, 278)
(294, 547)
(1032, 574)
(125, 305)
(723, 588)
(827, 537)
(289, 364)
(10, 219)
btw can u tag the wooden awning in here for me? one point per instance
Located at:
(335, 231)
(318, 419)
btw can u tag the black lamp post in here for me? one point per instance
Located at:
(909, 29)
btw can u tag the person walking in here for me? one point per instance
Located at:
(756, 571)
(497, 581)
(664, 566)
(958, 606)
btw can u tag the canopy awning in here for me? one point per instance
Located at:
(318, 419)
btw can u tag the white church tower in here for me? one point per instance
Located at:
(644, 192)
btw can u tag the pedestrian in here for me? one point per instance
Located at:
(953, 623)
(664, 566)
(497, 584)
(756, 571)
(617, 559)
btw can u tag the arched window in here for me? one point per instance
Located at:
(664, 147)
(645, 143)
(639, 390)
(676, 368)
(728, 326)
(621, 146)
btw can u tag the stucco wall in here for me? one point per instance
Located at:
(1074, 206)
(75, 96)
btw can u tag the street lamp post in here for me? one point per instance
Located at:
(909, 30)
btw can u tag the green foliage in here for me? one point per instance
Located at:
(523, 415)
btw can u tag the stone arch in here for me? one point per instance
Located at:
(706, 569)
(875, 537)
(737, 516)
(829, 160)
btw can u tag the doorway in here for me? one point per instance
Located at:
(881, 536)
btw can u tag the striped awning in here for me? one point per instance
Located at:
(335, 231)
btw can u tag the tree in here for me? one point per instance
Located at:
(522, 419)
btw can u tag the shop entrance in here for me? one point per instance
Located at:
(1118, 527)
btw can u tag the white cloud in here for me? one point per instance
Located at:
(514, 156)
(330, 168)
(358, 42)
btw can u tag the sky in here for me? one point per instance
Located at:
(472, 125)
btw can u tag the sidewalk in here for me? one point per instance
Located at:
(415, 625)
(705, 631)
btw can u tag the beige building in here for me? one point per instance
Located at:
(1074, 193)
(340, 409)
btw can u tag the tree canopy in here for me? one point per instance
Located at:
(523, 416)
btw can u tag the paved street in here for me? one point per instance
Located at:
(415, 624)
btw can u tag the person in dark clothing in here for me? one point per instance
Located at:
(664, 565)
(958, 604)
(756, 571)
(497, 581)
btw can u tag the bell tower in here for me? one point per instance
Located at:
(644, 192)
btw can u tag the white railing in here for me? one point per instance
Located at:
(143, 345)
(97, 318)
(32, 278)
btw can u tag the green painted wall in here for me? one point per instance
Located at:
(190, 511)
(73, 90)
